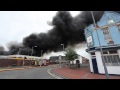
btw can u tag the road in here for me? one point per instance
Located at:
(34, 73)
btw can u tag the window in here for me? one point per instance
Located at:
(113, 52)
(107, 36)
(105, 52)
(92, 53)
(112, 59)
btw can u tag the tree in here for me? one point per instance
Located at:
(71, 55)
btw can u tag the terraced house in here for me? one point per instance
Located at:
(108, 31)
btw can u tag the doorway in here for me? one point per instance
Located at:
(95, 67)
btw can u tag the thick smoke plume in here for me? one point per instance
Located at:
(66, 30)
(16, 48)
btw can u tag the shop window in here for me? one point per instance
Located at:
(112, 59)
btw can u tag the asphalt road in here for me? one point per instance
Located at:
(34, 73)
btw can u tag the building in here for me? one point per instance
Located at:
(80, 60)
(18, 60)
(56, 59)
(108, 29)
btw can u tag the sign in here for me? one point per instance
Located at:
(89, 39)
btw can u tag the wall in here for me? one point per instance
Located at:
(90, 62)
(119, 53)
(111, 69)
(114, 32)
(115, 35)
(11, 62)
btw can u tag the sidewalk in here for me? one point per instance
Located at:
(82, 73)
(15, 68)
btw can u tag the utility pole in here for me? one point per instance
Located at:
(32, 53)
(103, 60)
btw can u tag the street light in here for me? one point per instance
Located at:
(63, 46)
(19, 51)
(32, 49)
(41, 52)
(32, 52)
(19, 54)
(63, 53)
(105, 68)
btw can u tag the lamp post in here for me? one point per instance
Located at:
(41, 52)
(19, 55)
(63, 46)
(19, 51)
(105, 68)
(63, 52)
(32, 52)
(32, 49)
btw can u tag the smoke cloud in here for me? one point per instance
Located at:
(66, 30)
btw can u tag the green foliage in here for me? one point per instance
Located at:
(71, 54)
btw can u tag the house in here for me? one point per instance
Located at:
(81, 60)
(56, 59)
(18, 60)
(106, 38)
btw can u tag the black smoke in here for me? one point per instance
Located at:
(18, 48)
(2, 51)
(66, 30)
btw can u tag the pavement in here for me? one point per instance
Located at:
(81, 73)
(16, 68)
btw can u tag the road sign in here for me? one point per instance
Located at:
(89, 39)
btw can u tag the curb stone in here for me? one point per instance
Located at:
(55, 75)
(16, 69)
(11, 69)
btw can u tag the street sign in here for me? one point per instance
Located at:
(89, 39)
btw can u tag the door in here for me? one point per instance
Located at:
(95, 67)
(77, 63)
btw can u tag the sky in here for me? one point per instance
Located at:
(15, 25)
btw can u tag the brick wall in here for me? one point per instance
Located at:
(13, 62)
